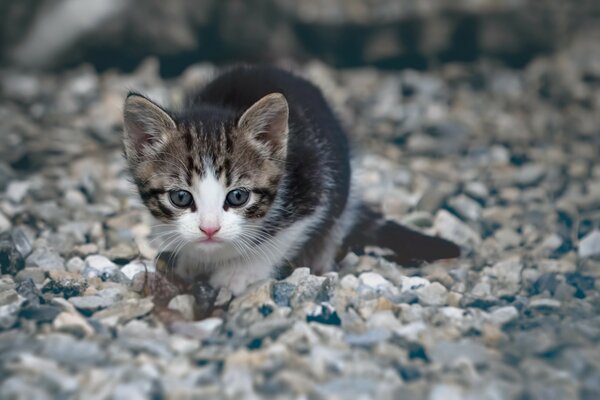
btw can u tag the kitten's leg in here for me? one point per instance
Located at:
(408, 245)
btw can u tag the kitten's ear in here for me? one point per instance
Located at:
(145, 124)
(267, 122)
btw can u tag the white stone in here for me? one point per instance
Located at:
(133, 268)
(503, 315)
(5, 223)
(67, 321)
(411, 331)
(97, 265)
(374, 281)
(433, 295)
(185, 304)
(590, 245)
(75, 264)
(451, 228)
(410, 283)
(17, 190)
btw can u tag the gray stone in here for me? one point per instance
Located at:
(451, 353)
(368, 338)
(505, 276)
(91, 303)
(46, 259)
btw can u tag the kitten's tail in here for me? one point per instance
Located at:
(409, 246)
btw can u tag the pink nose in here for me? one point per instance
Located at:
(210, 230)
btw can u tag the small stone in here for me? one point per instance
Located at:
(198, 329)
(530, 174)
(449, 353)
(76, 265)
(84, 250)
(589, 246)
(9, 315)
(185, 304)
(125, 311)
(99, 266)
(477, 190)
(37, 275)
(74, 199)
(433, 295)
(505, 276)
(29, 291)
(466, 207)
(545, 304)
(8, 296)
(122, 253)
(135, 267)
(368, 338)
(39, 312)
(411, 283)
(503, 315)
(5, 223)
(72, 323)
(374, 281)
(21, 242)
(46, 259)
(451, 228)
(17, 190)
(90, 304)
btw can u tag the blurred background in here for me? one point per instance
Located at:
(388, 34)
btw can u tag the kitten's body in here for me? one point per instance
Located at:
(267, 132)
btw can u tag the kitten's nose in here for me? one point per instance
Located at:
(210, 231)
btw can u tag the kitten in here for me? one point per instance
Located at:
(253, 178)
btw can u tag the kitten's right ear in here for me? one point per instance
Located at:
(145, 124)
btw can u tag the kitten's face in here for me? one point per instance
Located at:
(211, 177)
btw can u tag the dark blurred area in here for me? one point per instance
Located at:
(388, 34)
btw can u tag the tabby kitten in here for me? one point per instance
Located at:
(253, 178)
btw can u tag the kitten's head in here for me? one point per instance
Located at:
(212, 174)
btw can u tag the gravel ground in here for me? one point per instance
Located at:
(504, 162)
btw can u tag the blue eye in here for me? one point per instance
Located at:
(181, 198)
(237, 197)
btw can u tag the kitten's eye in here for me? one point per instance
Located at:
(180, 198)
(237, 197)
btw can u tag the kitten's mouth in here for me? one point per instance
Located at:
(211, 241)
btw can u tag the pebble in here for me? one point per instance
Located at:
(433, 295)
(185, 304)
(99, 266)
(135, 267)
(589, 246)
(124, 311)
(72, 323)
(5, 223)
(466, 207)
(503, 315)
(451, 228)
(45, 259)
(17, 190)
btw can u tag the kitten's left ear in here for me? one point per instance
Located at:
(146, 124)
(267, 122)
